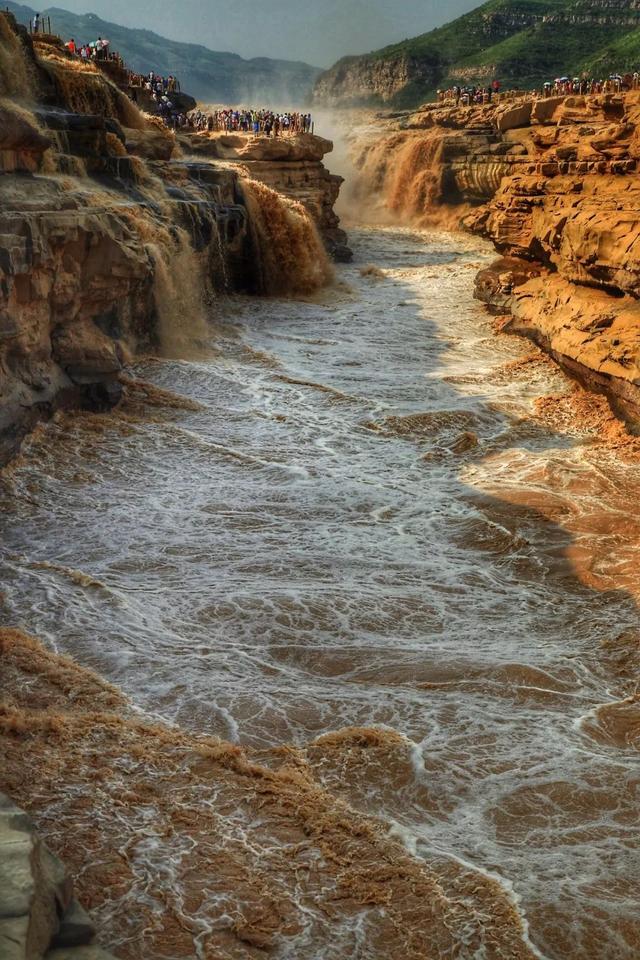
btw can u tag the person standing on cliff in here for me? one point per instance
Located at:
(36, 24)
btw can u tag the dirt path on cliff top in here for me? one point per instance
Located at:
(390, 559)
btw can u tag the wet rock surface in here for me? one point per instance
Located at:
(293, 167)
(39, 917)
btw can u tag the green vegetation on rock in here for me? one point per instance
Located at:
(520, 42)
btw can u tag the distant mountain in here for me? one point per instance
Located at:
(206, 74)
(521, 42)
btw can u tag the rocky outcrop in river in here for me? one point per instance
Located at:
(115, 233)
(552, 183)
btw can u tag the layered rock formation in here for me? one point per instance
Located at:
(290, 166)
(39, 916)
(553, 183)
(357, 81)
(111, 229)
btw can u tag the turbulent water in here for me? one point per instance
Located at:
(366, 521)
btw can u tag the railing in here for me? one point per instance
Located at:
(44, 26)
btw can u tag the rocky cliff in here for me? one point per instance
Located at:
(115, 233)
(521, 42)
(554, 185)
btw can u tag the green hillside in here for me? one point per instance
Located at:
(521, 42)
(205, 74)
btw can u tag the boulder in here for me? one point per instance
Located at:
(35, 890)
(85, 353)
(40, 919)
(543, 110)
(517, 116)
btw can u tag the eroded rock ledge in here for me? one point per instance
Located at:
(554, 185)
(39, 916)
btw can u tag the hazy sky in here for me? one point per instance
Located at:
(318, 31)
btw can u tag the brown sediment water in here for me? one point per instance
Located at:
(179, 285)
(276, 853)
(84, 88)
(354, 633)
(398, 179)
(290, 254)
(16, 76)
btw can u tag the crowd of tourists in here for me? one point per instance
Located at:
(94, 50)
(258, 122)
(154, 82)
(466, 96)
(561, 86)
(615, 83)
(161, 89)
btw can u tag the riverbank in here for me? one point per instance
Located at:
(321, 551)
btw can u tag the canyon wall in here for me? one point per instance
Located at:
(553, 184)
(116, 235)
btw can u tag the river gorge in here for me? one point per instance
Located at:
(320, 630)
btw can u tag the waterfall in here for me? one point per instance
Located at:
(290, 256)
(16, 76)
(401, 176)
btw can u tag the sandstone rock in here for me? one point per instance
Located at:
(90, 270)
(34, 889)
(495, 284)
(39, 917)
(355, 81)
(303, 147)
(85, 353)
(543, 111)
(517, 116)
(562, 209)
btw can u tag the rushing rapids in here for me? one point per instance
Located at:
(361, 585)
